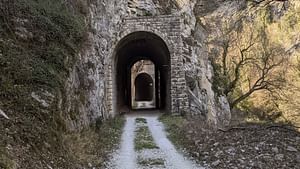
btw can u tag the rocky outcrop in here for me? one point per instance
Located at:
(85, 100)
(199, 72)
(198, 68)
(85, 96)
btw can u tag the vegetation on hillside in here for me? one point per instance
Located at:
(39, 44)
(257, 66)
(256, 63)
(39, 41)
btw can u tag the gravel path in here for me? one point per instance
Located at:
(125, 157)
(164, 156)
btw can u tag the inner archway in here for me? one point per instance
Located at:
(143, 87)
(134, 48)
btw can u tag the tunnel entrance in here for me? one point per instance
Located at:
(141, 73)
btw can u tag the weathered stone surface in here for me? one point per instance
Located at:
(89, 88)
(86, 98)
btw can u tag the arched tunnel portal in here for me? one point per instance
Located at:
(132, 48)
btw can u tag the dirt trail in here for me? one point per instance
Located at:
(162, 155)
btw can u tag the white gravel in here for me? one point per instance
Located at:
(127, 158)
(174, 160)
(124, 158)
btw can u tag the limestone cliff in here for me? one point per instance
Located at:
(86, 90)
(63, 54)
(86, 95)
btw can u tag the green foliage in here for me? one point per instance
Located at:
(42, 59)
(140, 120)
(143, 139)
(39, 41)
(148, 13)
(151, 162)
(219, 80)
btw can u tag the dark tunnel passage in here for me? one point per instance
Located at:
(131, 49)
(143, 87)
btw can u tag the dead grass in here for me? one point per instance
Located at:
(92, 146)
(279, 146)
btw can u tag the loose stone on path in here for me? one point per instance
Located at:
(163, 155)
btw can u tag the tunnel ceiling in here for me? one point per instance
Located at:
(142, 45)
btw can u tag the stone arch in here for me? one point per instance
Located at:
(168, 29)
(134, 46)
(148, 29)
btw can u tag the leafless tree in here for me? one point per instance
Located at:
(251, 65)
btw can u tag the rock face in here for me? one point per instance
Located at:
(88, 88)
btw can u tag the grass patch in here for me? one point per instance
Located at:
(151, 162)
(174, 125)
(93, 145)
(143, 139)
(39, 45)
(140, 120)
(6, 161)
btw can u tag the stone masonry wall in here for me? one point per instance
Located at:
(168, 28)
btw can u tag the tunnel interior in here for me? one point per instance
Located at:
(143, 87)
(136, 47)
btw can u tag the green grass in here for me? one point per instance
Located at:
(140, 120)
(173, 125)
(143, 139)
(151, 162)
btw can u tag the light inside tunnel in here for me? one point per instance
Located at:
(143, 89)
(135, 47)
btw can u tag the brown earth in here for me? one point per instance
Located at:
(243, 146)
